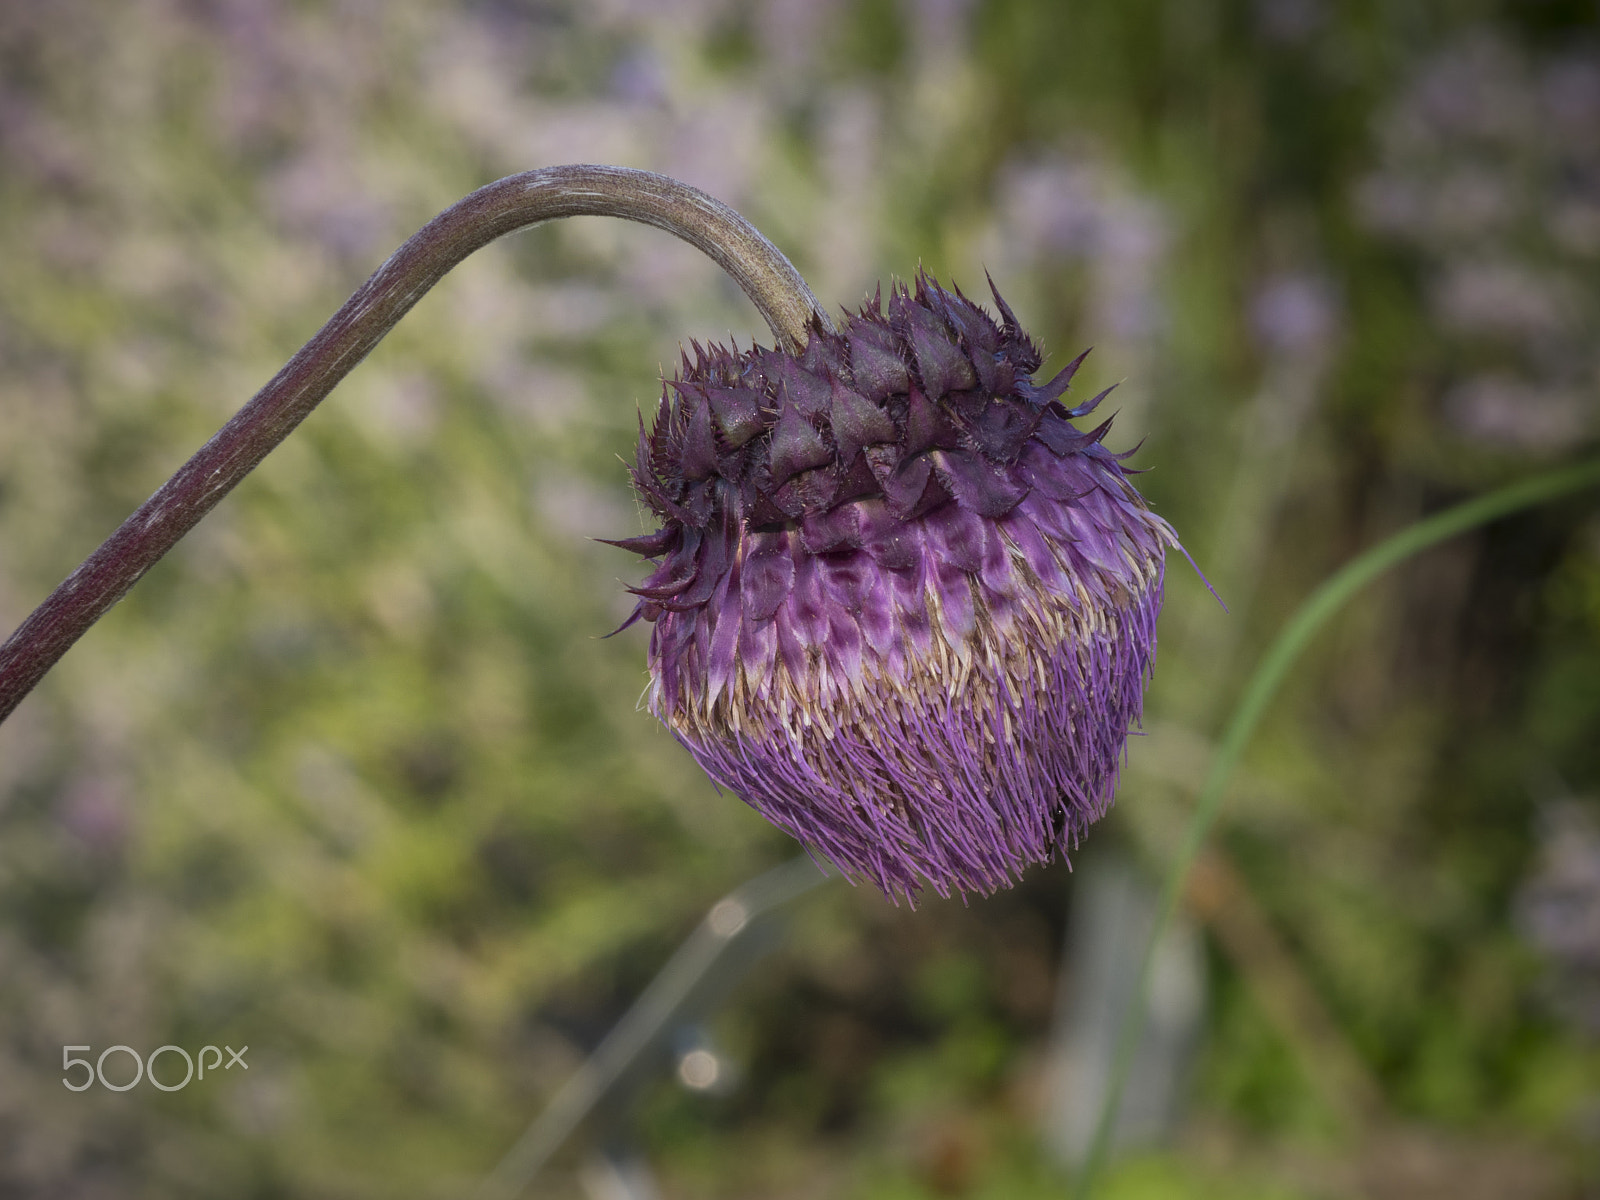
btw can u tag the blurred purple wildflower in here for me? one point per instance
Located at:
(1501, 409)
(1489, 172)
(1558, 909)
(1294, 316)
(94, 810)
(1082, 212)
(904, 608)
(1290, 22)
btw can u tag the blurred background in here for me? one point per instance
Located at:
(352, 777)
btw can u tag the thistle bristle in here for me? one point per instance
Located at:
(902, 605)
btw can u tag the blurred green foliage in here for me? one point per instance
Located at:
(353, 777)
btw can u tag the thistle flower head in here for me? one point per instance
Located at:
(903, 606)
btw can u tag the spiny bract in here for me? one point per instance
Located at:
(903, 607)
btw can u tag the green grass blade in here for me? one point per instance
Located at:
(1263, 685)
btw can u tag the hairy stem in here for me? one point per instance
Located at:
(513, 203)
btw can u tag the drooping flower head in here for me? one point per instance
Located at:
(903, 606)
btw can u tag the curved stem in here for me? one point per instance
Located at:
(1262, 687)
(515, 202)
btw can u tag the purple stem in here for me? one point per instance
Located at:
(512, 203)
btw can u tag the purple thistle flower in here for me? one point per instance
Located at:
(903, 607)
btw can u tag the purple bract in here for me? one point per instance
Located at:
(903, 607)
